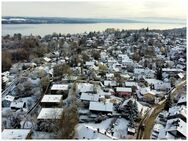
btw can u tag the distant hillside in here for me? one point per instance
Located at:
(52, 20)
(65, 20)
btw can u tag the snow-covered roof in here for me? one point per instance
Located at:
(9, 97)
(47, 59)
(89, 97)
(172, 70)
(109, 82)
(182, 99)
(154, 81)
(130, 84)
(15, 104)
(139, 70)
(123, 89)
(176, 125)
(66, 45)
(61, 87)
(177, 110)
(157, 127)
(84, 132)
(146, 90)
(109, 75)
(101, 106)
(50, 113)
(181, 75)
(90, 63)
(9, 134)
(125, 75)
(132, 130)
(85, 87)
(52, 98)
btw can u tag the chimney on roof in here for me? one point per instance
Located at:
(98, 130)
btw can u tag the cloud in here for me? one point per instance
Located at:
(108, 9)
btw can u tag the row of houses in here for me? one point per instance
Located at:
(171, 124)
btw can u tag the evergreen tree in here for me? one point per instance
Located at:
(159, 73)
(130, 111)
(168, 103)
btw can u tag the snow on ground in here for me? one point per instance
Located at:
(84, 132)
(141, 108)
(26, 124)
(120, 128)
(102, 126)
(6, 112)
(42, 135)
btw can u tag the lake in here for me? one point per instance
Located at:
(44, 29)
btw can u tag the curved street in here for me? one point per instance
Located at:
(147, 123)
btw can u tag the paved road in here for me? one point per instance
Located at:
(149, 119)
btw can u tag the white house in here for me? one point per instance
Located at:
(174, 129)
(101, 106)
(89, 97)
(17, 105)
(9, 98)
(50, 113)
(85, 87)
(110, 83)
(90, 63)
(131, 84)
(144, 72)
(51, 99)
(158, 84)
(60, 87)
(47, 59)
(177, 112)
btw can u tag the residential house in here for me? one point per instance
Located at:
(17, 105)
(177, 112)
(124, 91)
(174, 129)
(85, 87)
(63, 88)
(51, 101)
(84, 132)
(50, 113)
(146, 94)
(158, 84)
(182, 100)
(101, 107)
(110, 83)
(16, 134)
(89, 97)
(141, 72)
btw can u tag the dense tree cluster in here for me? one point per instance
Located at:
(62, 69)
(130, 111)
(21, 49)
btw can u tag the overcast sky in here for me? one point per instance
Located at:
(96, 9)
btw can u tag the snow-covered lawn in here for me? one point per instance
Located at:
(42, 135)
(120, 128)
